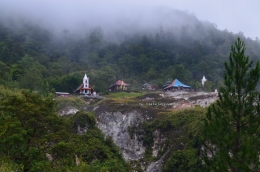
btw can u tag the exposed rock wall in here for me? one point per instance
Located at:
(190, 99)
(68, 110)
(116, 122)
(157, 165)
(116, 125)
(158, 142)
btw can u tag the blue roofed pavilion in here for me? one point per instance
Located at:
(176, 84)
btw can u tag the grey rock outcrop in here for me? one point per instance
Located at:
(67, 111)
(117, 119)
(116, 125)
(157, 165)
(158, 142)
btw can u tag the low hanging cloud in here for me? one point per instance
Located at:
(77, 16)
(80, 16)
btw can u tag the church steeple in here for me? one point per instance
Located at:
(86, 83)
(85, 87)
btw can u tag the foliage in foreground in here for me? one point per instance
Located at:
(182, 130)
(34, 138)
(231, 131)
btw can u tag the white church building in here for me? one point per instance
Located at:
(85, 87)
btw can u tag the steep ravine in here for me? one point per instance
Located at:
(124, 122)
(118, 126)
(119, 123)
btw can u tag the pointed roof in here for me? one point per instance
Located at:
(85, 77)
(167, 83)
(119, 82)
(146, 85)
(82, 88)
(177, 83)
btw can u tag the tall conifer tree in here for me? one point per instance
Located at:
(231, 135)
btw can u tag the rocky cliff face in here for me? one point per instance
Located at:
(118, 120)
(116, 125)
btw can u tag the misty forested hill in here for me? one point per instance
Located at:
(171, 44)
(179, 46)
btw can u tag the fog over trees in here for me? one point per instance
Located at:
(117, 22)
(135, 44)
(115, 17)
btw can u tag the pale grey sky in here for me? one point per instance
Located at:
(233, 15)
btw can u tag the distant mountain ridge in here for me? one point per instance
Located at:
(176, 45)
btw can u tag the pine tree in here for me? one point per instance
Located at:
(231, 133)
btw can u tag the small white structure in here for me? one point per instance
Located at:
(203, 80)
(62, 94)
(216, 92)
(85, 88)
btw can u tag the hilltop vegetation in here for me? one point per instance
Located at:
(32, 57)
(34, 138)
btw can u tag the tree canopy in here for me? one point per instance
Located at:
(232, 125)
(32, 53)
(34, 138)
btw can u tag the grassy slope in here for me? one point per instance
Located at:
(75, 101)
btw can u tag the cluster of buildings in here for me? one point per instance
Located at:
(86, 89)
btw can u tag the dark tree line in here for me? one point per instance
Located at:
(187, 53)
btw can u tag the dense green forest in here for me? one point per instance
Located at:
(32, 57)
(35, 138)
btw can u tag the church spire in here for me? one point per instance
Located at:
(86, 83)
(85, 77)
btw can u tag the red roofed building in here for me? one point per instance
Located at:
(119, 86)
